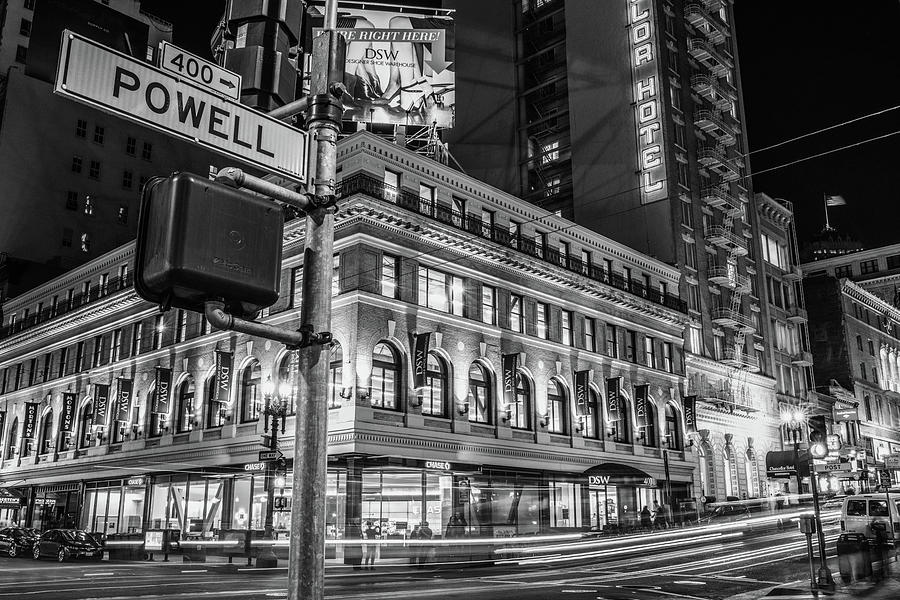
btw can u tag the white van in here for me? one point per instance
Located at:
(861, 510)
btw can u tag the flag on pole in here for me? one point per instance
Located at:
(834, 200)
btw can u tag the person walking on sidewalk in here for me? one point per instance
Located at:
(646, 519)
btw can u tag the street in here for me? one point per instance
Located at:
(700, 563)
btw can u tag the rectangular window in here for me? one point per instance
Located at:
(98, 351)
(335, 275)
(650, 352)
(71, 200)
(77, 164)
(488, 305)
(487, 223)
(94, 172)
(147, 151)
(88, 205)
(85, 242)
(25, 27)
(862, 370)
(180, 325)
(590, 344)
(871, 348)
(115, 350)
(79, 357)
(158, 328)
(550, 152)
(136, 335)
(67, 236)
(515, 312)
(81, 128)
(98, 134)
(440, 291)
(21, 54)
(127, 179)
(868, 266)
(843, 271)
(427, 193)
(893, 261)
(690, 255)
(696, 339)
(104, 283)
(586, 261)
(390, 273)
(391, 185)
(130, 145)
(667, 357)
(32, 371)
(541, 321)
(612, 341)
(693, 297)
(630, 345)
(566, 326)
(122, 215)
(63, 359)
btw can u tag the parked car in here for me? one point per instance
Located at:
(64, 544)
(726, 513)
(869, 513)
(16, 541)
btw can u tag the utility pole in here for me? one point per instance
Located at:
(306, 569)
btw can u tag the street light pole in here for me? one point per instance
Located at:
(306, 568)
(276, 408)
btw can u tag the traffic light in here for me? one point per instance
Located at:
(818, 436)
(200, 240)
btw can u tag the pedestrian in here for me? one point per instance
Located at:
(371, 534)
(646, 519)
(667, 516)
(456, 527)
(425, 533)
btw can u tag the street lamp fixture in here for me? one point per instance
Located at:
(275, 413)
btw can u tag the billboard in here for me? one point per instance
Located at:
(399, 67)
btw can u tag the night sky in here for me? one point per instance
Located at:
(805, 66)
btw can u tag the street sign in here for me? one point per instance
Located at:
(831, 467)
(833, 441)
(270, 455)
(201, 71)
(846, 414)
(884, 478)
(118, 84)
(892, 461)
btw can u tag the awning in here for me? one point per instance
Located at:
(618, 474)
(784, 463)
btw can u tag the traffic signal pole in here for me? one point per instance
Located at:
(306, 566)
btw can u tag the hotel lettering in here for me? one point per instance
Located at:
(647, 89)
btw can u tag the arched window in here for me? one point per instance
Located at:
(215, 410)
(335, 375)
(434, 396)
(12, 439)
(184, 419)
(674, 439)
(85, 424)
(45, 438)
(589, 416)
(156, 421)
(385, 385)
(621, 428)
(557, 408)
(287, 369)
(251, 392)
(479, 394)
(520, 411)
(648, 433)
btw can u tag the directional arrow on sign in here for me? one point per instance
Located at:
(438, 60)
(227, 83)
(270, 455)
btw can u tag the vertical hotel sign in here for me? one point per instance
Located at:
(647, 89)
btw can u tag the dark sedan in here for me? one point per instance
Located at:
(63, 544)
(16, 541)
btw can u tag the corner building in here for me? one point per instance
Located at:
(423, 255)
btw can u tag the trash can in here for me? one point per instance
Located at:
(854, 559)
(878, 550)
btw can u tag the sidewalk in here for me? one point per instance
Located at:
(887, 589)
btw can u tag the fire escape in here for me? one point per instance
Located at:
(716, 132)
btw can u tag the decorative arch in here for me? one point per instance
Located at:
(589, 417)
(216, 411)
(729, 463)
(85, 423)
(622, 430)
(650, 433)
(673, 426)
(751, 468)
(45, 432)
(521, 409)
(185, 404)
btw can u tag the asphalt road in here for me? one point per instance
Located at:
(662, 566)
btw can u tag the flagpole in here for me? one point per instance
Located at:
(827, 224)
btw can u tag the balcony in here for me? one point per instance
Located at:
(704, 53)
(718, 197)
(802, 359)
(715, 160)
(706, 86)
(793, 274)
(713, 5)
(728, 277)
(738, 359)
(713, 124)
(733, 320)
(723, 238)
(697, 15)
(795, 314)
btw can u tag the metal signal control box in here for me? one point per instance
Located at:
(201, 240)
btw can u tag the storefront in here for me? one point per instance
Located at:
(114, 506)
(55, 506)
(617, 493)
(12, 506)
